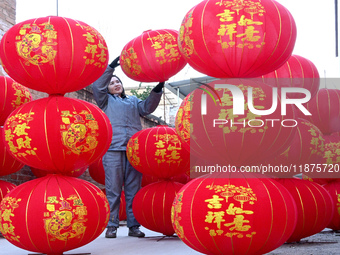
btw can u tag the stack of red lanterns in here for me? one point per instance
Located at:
(56, 134)
(248, 122)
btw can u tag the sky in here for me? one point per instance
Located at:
(120, 21)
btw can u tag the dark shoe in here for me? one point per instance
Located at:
(135, 232)
(111, 232)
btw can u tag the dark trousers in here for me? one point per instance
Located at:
(119, 172)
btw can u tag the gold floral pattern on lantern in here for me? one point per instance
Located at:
(131, 64)
(64, 218)
(22, 94)
(8, 205)
(133, 152)
(230, 217)
(228, 211)
(175, 210)
(79, 131)
(16, 136)
(107, 207)
(332, 153)
(166, 48)
(37, 44)
(230, 20)
(168, 147)
(183, 125)
(187, 44)
(96, 46)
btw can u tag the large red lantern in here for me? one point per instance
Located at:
(158, 151)
(233, 215)
(219, 133)
(12, 95)
(53, 214)
(297, 72)
(8, 163)
(152, 206)
(237, 38)
(314, 207)
(325, 110)
(333, 189)
(53, 54)
(58, 134)
(153, 56)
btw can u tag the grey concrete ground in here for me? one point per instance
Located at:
(323, 243)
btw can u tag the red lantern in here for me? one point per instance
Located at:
(297, 72)
(97, 172)
(5, 188)
(314, 207)
(219, 134)
(333, 189)
(53, 54)
(74, 173)
(307, 147)
(8, 164)
(153, 56)
(225, 215)
(325, 110)
(158, 151)
(12, 95)
(53, 214)
(237, 39)
(152, 206)
(58, 134)
(122, 207)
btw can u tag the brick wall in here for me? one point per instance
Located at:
(7, 20)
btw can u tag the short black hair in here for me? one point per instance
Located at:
(123, 95)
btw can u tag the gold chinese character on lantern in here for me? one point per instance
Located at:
(228, 210)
